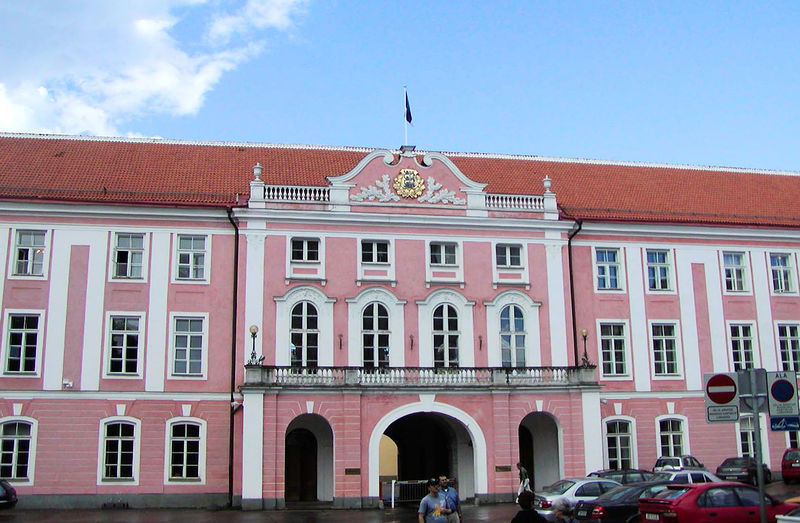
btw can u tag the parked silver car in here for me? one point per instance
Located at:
(689, 476)
(677, 462)
(572, 489)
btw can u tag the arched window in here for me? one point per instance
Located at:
(512, 336)
(445, 336)
(119, 448)
(184, 451)
(375, 335)
(15, 450)
(670, 435)
(619, 444)
(304, 335)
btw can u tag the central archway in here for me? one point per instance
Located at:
(308, 466)
(464, 443)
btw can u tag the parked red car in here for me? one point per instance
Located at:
(727, 502)
(790, 465)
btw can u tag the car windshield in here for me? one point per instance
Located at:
(734, 462)
(662, 476)
(672, 493)
(559, 487)
(617, 493)
(650, 492)
(672, 462)
(792, 454)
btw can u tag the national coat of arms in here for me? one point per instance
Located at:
(408, 184)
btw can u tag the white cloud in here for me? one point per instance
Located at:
(96, 64)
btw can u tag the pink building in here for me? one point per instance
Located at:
(181, 328)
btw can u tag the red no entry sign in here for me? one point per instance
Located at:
(721, 389)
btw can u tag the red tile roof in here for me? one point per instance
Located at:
(162, 172)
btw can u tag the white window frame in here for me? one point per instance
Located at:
(789, 274)
(305, 331)
(456, 269)
(751, 430)
(306, 269)
(620, 265)
(387, 268)
(627, 375)
(395, 307)
(519, 274)
(202, 442)
(684, 432)
(306, 242)
(39, 342)
(744, 268)
(795, 340)
(446, 333)
(141, 349)
(753, 342)
(633, 444)
(12, 262)
(283, 318)
(374, 251)
(678, 350)
(507, 248)
(670, 268)
(467, 339)
(377, 333)
(30, 480)
(137, 440)
(172, 332)
(206, 279)
(530, 310)
(113, 249)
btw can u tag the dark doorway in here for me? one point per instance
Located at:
(301, 466)
(424, 447)
(526, 451)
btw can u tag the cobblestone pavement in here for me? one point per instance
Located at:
(498, 512)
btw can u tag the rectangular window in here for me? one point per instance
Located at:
(789, 342)
(742, 346)
(665, 349)
(305, 250)
(443, 254)
(612, 343)
(607, 262)
(618, 445)
(794, 438)
(128, 256)
(124, 345)
(191, 257)
(184, 451)
(30, 253)
(735, 271)
(658, 269)
(118, 451)
(374, 251)
(670, 432)
(508, 255)
(746, 436)
(781, 268)
(188, 346)
(23, 337)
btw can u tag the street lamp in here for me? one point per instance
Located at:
(585, 360)
(254, 359)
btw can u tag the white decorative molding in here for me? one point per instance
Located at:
(442, 196)
(310, 407)
(381, 191)
(186, 409)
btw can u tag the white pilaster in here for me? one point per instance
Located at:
(252, 445)
(761, 293)
(254, 291)
(157, 328)
(592, 445)
(555, 295)
(93, 335)
(640, 349)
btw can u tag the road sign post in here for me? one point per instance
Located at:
(722, 397)
(784, 413)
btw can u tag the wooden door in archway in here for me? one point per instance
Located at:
(301, 466)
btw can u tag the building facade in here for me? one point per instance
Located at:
(181, 328)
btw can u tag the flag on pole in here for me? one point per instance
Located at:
(408, 110)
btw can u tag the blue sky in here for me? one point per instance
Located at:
(705, 83)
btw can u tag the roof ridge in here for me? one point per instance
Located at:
(497, 156)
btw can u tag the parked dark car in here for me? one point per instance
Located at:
(719, 502)
(620, 505)
(743, 469)
(625, 476)
(790, 465)
(8, 494)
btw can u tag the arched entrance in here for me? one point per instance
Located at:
(539, 448)
(430, 445)
(308, 464)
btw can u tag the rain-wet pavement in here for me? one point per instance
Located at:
(407, 513)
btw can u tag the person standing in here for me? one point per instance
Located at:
(524, 481)
(452, 500)
(527, 514)
(433, 507)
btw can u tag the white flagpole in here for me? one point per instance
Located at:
(405, 120)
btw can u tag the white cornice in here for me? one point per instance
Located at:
(93, 210)
(686, 231)
(116, 396)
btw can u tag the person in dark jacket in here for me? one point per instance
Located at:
(527, 514)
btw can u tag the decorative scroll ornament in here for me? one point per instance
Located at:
(443, 196)
(409, 184)
(380, 191)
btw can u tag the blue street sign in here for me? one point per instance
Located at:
(784, 423)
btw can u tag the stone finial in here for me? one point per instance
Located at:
(547, 182)
(257, 169)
